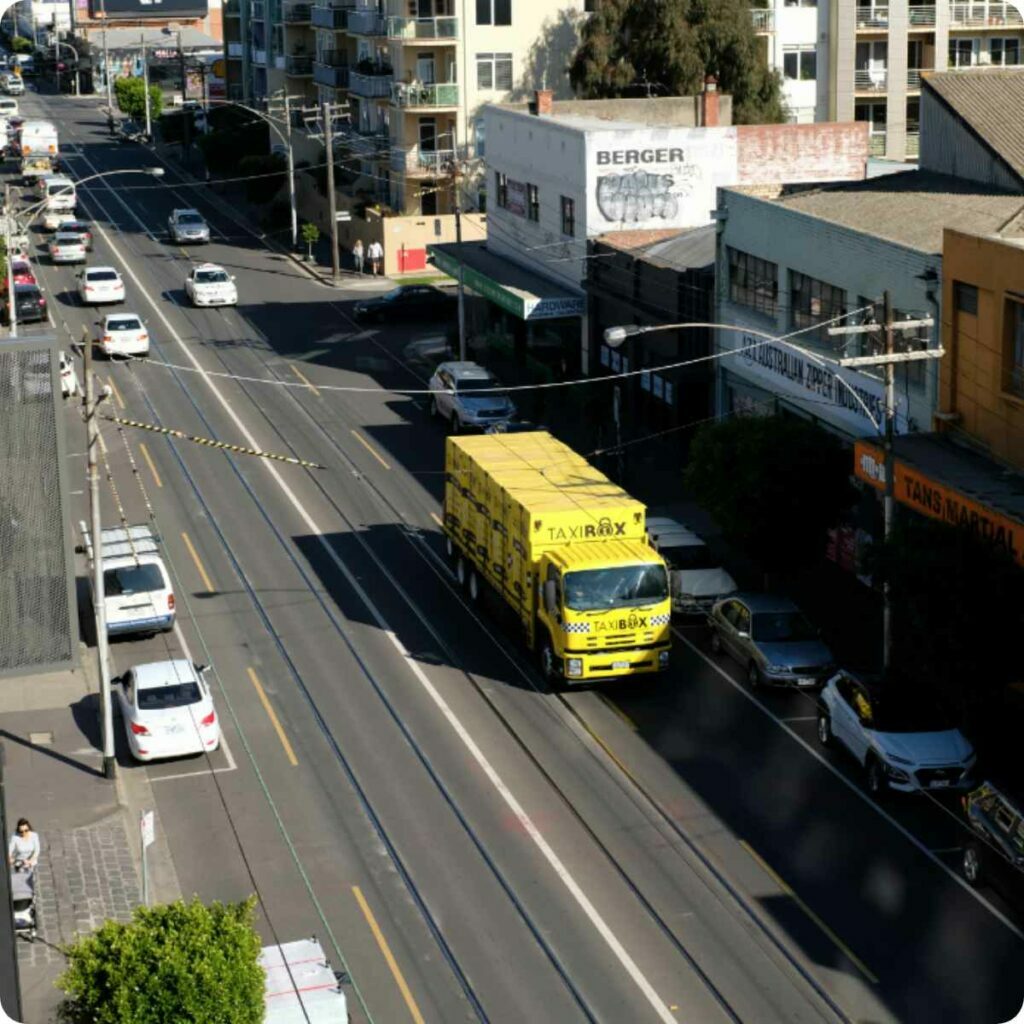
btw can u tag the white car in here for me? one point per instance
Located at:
(124, 334)
(67, 248)
(98, 285)
(68, 377)
(138, 596)
(8, 108)
(210, 285)
(896, 734)
(167, 710)
(697, 580)
(52, 219)
(465, 395)
(12, 84)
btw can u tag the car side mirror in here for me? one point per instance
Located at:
(550, 595)
(200, 669)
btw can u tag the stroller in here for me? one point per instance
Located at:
(23, 899)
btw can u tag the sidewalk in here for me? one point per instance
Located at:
(89, 870)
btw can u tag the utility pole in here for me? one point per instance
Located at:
(106, 60)
(98, 588)
(186, 119)
(145, 85)
(888, 359)
(291, 170)
(328, 115)
(457, 206)
(8, 218)
(56, 55)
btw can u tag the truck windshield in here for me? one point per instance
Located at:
(619, 587)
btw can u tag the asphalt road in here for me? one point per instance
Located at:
(394, 777)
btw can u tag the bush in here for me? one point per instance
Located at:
(180, 962)
(19, 44)
(131, 98)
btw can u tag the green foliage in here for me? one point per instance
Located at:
(266, 174)
(131, 98)
(310, 233)
(19, 44)
(674, 44)
(230, 141)
(773, 483)
(184, 962)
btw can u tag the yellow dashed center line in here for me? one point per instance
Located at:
(207, 582)
(305, 380)
(272, 715)
(369, 447)
(396, 973)
(117, 394)
(150, 463)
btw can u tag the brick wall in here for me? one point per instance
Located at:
(795, 153)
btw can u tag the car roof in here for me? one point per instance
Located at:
(466, 369)
(123, 315)
(186, 209)
(160, 673)
(146, 558)
(89, 270)
(766, 602)
(208, 266)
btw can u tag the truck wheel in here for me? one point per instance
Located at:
(460, 571)
(473, 588)
(449, 546)
(549, 663)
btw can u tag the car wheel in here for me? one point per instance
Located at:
(754, 676)
(473, 589)
(973, 871)
(461, 573)
(875, 777)
(716, 642)
(824, 729)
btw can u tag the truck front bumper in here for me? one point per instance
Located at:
(587, 666)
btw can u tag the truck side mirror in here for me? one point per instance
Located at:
(551, 596)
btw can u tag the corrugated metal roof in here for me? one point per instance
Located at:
(687, 249)
(991, 101)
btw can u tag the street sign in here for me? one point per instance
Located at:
(147, 825)
(343, 215)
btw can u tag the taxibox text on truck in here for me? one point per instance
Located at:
(564, 547)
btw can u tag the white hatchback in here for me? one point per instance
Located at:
(210, 285)
(124, 334)
(98, 285)
(67, 248)
(167, 710)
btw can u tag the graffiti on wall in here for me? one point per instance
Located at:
(639, 195)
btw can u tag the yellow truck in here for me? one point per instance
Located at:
(564, 547)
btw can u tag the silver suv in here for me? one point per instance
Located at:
(462, 395)
(187, 226)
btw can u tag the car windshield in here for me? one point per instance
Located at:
(620, 587)
(476, 383)
(132, 579)
(394, 295)
(782, 627)
(63, 239)
(906, 710)
(102, 275)
(189, 218)
(211, 277)
(687, 556)
(177, 695)
(128, 323)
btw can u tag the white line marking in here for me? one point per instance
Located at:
(800, 718)
(909, 836)
(205, 773)
(629, 965)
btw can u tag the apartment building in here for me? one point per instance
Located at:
(847, 59)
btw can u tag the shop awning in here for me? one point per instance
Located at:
(509, 286)
(944, 481)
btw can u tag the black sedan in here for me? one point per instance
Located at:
(131, 131)
(28, 302)
(407, 301)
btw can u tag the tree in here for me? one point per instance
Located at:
(19, 44)
(773, 483)
(310, 235)
(131, 98)
(181, 962)
(672, 45)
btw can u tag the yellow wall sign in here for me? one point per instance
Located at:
(930, 498)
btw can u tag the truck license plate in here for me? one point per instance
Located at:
(620, 665)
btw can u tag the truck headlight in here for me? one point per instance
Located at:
(663, 658)
(574, 667)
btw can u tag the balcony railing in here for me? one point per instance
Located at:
(296, 14)
(764, 19)
(414, 160)
(333, 16)
(922, 16)
(367, 23)
(913, 144)
(435, 95)
(874, 80)
(983, 15)
(876, 144)
(375, 86)
(331, 69)
(914, 77)
(872, 17)
(257, 10)
(365, 142)
(298, 65)
(423, 28)
(235, 50)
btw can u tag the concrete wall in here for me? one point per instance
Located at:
(671, 111)
(975, 372)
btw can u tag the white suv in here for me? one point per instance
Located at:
(463, 394)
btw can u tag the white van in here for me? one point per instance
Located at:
(59, 192)
(8, 107)
(697, 580)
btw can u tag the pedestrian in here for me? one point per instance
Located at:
(376, 254)
(357, 255)
(24, 848)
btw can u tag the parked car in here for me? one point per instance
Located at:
(124, 334)
(167, 710)
(461, 394)
(8, 108)
(896, 733)
(697, 580)
(131, 131)
(139, 597)
(407, 301)
(66, 247)
(995, 856)
(29, 304)
(210, 285)
(68, 376)
(187, 226)
(22, 270)
(99, 285)
(75, 226)
(772, 639)
(12, 84)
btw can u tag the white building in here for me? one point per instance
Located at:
(795, 34)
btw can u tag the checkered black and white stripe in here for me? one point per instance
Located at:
(576, 627)
(661, 620)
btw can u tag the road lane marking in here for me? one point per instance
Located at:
(150, 463)
(117, 394)
(608, 936)
(305, 380)
(800, 718)
(437, 519)
(396, 971)
(272, 715)
(852, 787)
(207, 582)
(369, 447)
(787, 890)
(231, 766)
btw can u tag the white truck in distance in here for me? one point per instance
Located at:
(300, 986)
(38, 138)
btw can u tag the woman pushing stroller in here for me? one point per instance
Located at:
(24, 848)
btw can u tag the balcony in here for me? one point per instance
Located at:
(415, 97)
(423, 28)
(298, 65)
(367, 23)
(373, 85)
(414, 160)
(331, 16)
(331, 69)
(235, 51)
(257, 10)
(872, 17)
(914, 77)
(764, 19)
(984, 16)
(365, 142)
(874, 80)
(922, 16)
(296, 14)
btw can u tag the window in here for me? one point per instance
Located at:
(800, 63)
(965, 298)
(532, 203)
(494, 12)
(963, 53)
(568, 216)
(753, 282)
(494, 71)
(501, 189)
(801, 3)
(1004, 51)
(813, 302)
(1015, 322)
